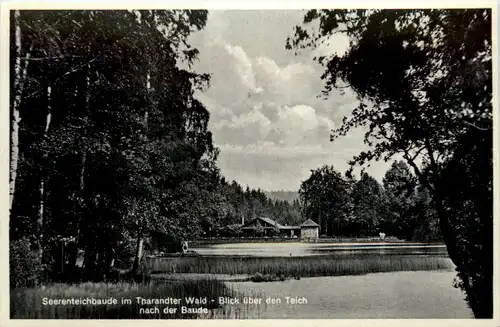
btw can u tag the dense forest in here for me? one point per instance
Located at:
(108, 142)
(241, 205)
(111, 155)
(288, 196)
(110, 152)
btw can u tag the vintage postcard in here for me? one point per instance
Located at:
(267, 162)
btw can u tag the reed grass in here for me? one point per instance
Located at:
(27, 303)
(311, 266)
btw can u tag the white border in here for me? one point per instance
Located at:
(224, 5)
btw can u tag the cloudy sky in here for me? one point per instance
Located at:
(265, 115)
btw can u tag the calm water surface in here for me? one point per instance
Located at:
(311, 249)
(409, 294)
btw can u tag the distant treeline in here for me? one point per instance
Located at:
(242, 205)
(340, 204)
(344, 206)
(288, 196)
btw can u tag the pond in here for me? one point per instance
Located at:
(386, 295)
(311, 249)
(414, 295)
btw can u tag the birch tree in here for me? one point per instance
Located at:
(20, 73)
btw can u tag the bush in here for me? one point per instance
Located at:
(166, 243)
(125, 251)
(260, 278)
(25, 267)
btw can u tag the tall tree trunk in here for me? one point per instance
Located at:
(140, 236)
(20, 72)
(138, 253)
(83, 164)
(447, 230)
(433, 187)
(90, 261)
(479, 309)
(480, 294)
(41, 209)
(74, 254)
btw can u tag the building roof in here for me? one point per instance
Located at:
(265, 219)
(309, 223)
(270, 222)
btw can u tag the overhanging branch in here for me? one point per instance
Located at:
(477, 127)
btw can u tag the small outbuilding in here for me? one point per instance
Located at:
(309, 230)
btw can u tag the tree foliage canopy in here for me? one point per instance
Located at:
(112, 143)
(324, 198)
(424, 82)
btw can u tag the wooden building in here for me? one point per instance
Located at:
(263, 226)
(309, 231)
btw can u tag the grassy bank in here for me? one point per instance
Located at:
(310, 266)
(28, 303)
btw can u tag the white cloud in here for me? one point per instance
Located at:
(291, 84)
(265, 115)
(301, 116)
(291, 125)
(243, 67)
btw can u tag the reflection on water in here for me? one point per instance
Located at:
(308, 249)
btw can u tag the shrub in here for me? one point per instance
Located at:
(25, 267)
(166, 243)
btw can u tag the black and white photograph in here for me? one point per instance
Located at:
(207, 164)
